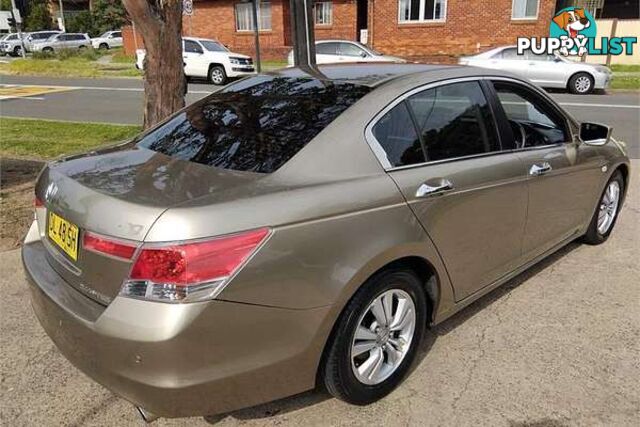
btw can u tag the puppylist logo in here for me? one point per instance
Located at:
(573, 32)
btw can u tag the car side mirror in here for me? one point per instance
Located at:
(556, 59)
(594, 133)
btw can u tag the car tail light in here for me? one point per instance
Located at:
(38, 203)
(108, 246)
(190, 271)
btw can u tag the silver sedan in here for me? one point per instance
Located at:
(552, 71)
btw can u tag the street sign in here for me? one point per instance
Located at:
(187, 7)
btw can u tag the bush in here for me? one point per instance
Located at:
(38, 18)
(81, 22)
(43, 55)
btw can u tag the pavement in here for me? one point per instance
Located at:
(121, 101)
(557, 346)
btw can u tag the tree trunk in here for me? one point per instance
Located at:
(160, 24)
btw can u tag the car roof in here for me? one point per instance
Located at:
(198, 39)
(367, 74)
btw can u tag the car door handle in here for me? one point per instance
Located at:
(426, 190)
(538, 169)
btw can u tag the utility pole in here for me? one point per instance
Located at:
(18, 20)
(304, 43)
(256, 34)
(64, 26)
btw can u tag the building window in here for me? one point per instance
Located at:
(323, 13)
(244, 16)
(422, 10)
(524, 9)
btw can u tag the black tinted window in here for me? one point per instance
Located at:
(327, 48)
(256, 124)
(117, 34)
(397, 135)
(455, 121)
(191, 46)
(78, 37)
(533, 121)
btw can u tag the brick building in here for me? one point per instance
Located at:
(437, 30)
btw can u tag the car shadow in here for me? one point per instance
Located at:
(319, 395)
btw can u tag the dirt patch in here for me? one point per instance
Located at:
(17, 178)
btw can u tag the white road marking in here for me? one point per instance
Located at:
(206, 92)
(34, 98)
(580, 104)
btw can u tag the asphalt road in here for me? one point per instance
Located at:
(121, 100)
(557, 346)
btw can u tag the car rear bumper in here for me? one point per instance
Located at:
(179, 360)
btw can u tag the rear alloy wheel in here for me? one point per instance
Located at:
(607, 211)
(103, 46)
(581, 84)
(48, 49)
(376, 338)
(217, 76)
(17, 51)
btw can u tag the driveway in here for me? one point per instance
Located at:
(558, 345)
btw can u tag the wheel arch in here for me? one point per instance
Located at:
(431, 284)
(575, 73)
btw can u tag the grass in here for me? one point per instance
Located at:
(626, 82)
(72, 66)
(44, 139)
(272, 65)
(626, 68)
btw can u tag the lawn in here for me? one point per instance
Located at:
(71, 67)
(43, 139)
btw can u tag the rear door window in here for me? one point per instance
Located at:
(254, 125)
(397, 135)
(327, 48)
(454, 120)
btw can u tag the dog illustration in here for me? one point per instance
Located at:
(572, 21)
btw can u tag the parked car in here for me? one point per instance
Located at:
(11, 45)
(108, 40)
(37, 37)
(210, 59)
(552, 71)
(291, 228)
(336, 51)
(63, 41)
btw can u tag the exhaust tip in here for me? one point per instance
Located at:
(146, 416)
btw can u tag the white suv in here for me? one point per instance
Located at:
(108, 40)
(209, 59)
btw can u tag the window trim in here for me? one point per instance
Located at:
(324, 24)
(525, 18)
(251, 30)
(424, 21)
(381, 155)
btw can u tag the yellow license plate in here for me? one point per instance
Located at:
(64, 234)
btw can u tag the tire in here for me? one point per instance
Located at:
(217, 75)
(82, 47)
(606, 214)
(581, 84)
(48, 49)
(17, 51)
(104, 46)
(339, 372)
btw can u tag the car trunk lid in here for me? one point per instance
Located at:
(117, 193)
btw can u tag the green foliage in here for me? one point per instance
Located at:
(81, 22)
(5, 4)
(43, 55)
(38, 18)
(108, 15)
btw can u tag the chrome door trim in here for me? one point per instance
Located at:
(381, 155)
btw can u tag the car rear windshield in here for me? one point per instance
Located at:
(254, 125)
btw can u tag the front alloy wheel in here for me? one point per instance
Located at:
(581, 84)
(607, 211)
(217, 76)
(376, 338)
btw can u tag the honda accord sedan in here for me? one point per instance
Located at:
(302, 228)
